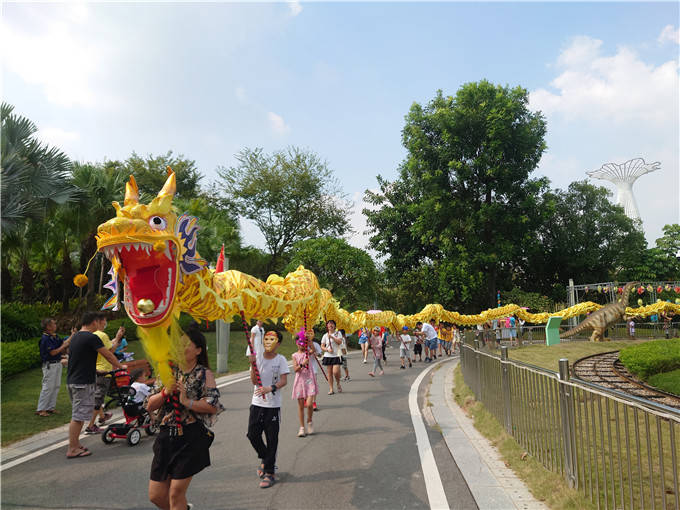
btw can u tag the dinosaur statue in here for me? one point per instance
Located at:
(601, 319)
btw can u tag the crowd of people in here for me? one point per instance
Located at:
(186, 410)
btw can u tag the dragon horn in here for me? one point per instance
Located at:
(131, 192)
(170, 185)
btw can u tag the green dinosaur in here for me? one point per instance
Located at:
(601, 319)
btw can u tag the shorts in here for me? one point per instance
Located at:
(403, 352)
(331, 360)
(446, 345)
(181, 456)
(101, 389)
(418, 349)
(432, 343)
(82, 401)
(363, 341)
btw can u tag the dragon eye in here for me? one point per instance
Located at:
(158, 223)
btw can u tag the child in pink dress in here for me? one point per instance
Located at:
(304, 387)
(376, 345)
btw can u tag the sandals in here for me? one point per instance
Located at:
(260, 471)
(267, 481)
(331, 393)
(81, 453)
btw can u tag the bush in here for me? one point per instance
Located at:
(651, 358)
(21, 321)
(19, 356)
(668, 381)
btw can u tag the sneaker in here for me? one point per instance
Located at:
(301, 432)
(105, 418)
(371, 374)
(93, 430)
(190, 506)
(402, 367)
(364, 361)
(310, 428)
(314, 406)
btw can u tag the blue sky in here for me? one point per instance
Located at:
(206, 80)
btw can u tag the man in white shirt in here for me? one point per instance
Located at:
(256, 336)
(429, 335)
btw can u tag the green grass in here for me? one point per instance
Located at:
(548, 357)
(667, 381)
(20, 392)
(545, 485)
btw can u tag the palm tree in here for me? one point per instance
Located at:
(34, 179)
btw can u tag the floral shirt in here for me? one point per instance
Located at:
(196, 390)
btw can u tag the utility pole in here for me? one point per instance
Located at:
(222, 330)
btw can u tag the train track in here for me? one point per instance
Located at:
(606, 370)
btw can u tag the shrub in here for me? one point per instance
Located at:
(655, 357)
(21, 321)
(668, 381)
(19, 356)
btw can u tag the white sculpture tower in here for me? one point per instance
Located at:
(623, 176)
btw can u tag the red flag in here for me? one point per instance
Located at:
(219, 268)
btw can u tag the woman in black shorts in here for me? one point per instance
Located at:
(182, 449)
(331, 345)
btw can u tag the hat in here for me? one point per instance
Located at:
(405, 328)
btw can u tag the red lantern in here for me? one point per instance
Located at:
(641, 289)
(620, 290)
(659, 289)
(677, 289)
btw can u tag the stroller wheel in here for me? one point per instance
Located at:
(107, 435)
(134, 436)
(151, 427)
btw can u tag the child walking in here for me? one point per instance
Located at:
(304, 386)
(376, 345)
(265, 408)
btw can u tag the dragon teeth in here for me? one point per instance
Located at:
(167, 252)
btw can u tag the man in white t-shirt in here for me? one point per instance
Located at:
(265, 407)
(256, 336)
(405, 347)
(429, 335)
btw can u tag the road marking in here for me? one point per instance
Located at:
(61, 444)
(433, 482)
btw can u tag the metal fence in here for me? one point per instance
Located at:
(618, 450)
(536, 334)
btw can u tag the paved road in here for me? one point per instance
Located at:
(363, 455)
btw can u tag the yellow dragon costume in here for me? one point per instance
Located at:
(153, 253)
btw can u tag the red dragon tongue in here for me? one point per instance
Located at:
(148, 283)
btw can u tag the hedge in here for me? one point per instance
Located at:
(21, 321)
(19, 356)
(649, 358)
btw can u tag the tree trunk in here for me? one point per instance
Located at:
(67, 280)
(51, 284)
(90, 285)
(6, 279)
(87, 249)
(27, 290)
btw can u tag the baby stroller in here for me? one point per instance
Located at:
(136, 417)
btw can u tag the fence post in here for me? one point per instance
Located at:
(568, 432)
(507, 397)
(478, 392)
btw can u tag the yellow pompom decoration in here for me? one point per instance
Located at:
(80, 280)
(159, 246)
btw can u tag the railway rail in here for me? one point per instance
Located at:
(605, 369)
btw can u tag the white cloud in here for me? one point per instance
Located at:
(613, 107)
(277, 124)
(57, 137)
(669, 34)
(616, 88)
(295, 7)
(52, 49)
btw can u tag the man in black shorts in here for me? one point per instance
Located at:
(417, 347)
(82, 374)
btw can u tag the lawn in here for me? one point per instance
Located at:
(20, 393)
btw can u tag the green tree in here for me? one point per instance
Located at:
(34, 181)
(586, 237)
(348, 272)
(455, 222)
(151, 172)
(290, 195)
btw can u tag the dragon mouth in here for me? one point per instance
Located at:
(147, 275)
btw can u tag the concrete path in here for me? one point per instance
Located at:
(365, 454)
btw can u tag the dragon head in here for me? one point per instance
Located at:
(150, 249)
